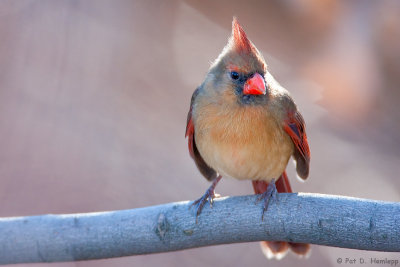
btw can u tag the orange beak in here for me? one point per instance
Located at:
(255, 85)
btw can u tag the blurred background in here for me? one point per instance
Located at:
(94, 97)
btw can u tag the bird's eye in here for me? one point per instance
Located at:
(234, 75)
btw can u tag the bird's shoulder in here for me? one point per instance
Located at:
(281, 102)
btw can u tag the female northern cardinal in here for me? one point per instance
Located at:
(243, 124)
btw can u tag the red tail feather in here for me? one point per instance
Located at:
(278, 249)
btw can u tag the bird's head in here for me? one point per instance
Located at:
(239, 71)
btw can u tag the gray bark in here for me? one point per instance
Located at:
(306, 218)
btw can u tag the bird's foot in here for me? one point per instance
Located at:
(270, 193)
(207, 197)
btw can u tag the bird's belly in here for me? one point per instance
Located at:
(249, 161)
(245, 151)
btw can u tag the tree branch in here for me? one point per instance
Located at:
(306, 218)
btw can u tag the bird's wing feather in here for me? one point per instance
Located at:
(295, 128)
(208, 172)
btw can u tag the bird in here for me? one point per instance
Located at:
(243, 124)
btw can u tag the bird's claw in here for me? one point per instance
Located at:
(207, 197)
(270, 193)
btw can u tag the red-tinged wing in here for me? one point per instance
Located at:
(208, 172)
(190, 131)
(295, 127)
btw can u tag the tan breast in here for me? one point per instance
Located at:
(244, 143)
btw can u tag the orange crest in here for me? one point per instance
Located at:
(239, 38)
